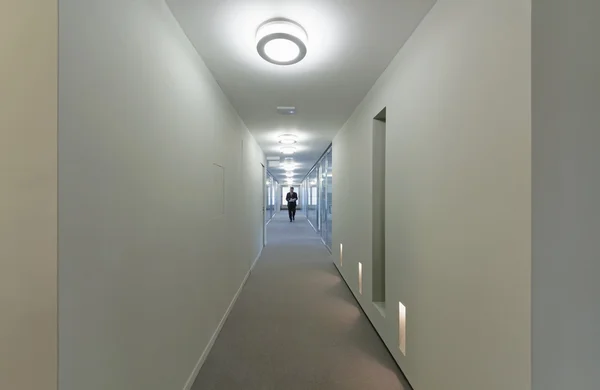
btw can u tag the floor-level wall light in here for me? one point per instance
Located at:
(360, 278)
(341, 255)
(281, 42)
(402, 328)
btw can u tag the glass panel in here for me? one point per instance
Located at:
(316, 193)
(273, 198)
(312, 198)
(306, 197)
(323, 198)
(268, 186)
(271, 201)
(276, 199)
(301, 195)
(329, 180)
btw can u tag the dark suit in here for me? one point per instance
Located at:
(292, 200)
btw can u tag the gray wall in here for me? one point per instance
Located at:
(566, 195)
(28, 68)
(155, 237)
(458, 197)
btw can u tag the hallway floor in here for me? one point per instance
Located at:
(296, 326)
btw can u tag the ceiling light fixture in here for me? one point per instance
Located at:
(281, 42)
(288, 139)
(286, 110)
(288, 150)
(288, 164)
(289, 174)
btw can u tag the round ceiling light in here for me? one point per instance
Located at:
(288, 164)
(289, 174)
(288, 139)
(281, 42)
(288, 150)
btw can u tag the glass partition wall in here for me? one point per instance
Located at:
(272, 198)
(311, 197)
(317, 190)
(329, 184)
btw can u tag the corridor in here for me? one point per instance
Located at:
(296, 326)
(445, 151)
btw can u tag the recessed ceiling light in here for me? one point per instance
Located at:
(288, 150)
(286, 110)
(289, 174)
(281, 42)
(288, 139)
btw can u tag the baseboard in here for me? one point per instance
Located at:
(211, 343)
(256, 260)
(313, 226)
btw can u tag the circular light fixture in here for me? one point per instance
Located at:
(288, 139)
(288, 164)
(281, 42)
(289, 174)
(288, 150)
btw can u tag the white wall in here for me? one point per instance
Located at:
(149, 262)
(28, 66)
(566, 195)
(458, 197)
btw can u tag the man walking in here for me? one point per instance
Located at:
(292, 200)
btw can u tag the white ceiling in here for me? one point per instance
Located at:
(350, 43)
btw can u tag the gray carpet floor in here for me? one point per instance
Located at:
(296, 326)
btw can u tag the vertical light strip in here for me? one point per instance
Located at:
(402, 328)
(360, 278)
(341, 255)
